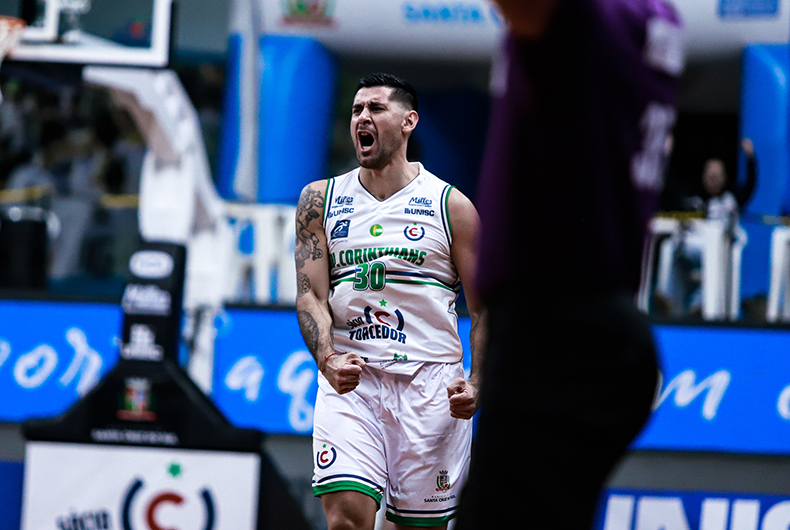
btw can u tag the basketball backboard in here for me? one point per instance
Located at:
(111, 32)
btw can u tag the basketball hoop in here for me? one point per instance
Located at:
(10, 33)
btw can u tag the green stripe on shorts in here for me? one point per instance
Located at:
(347, 485)
(422, 522)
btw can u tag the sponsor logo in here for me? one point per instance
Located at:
(136, 401)
(145, 300)
(461, 13)
(341, 211)
(151, 264)
(414, 232)
(142, 345)
(358, 256)
(376, 230)
(326, 457)
(88, 520)
(308, 12)
(158, 502)
(419, 211)
(421, 201)
(694, 512)
(340, 230)
(443, 481)
(440, 499)
(134, 436)
(379, 325)
(686, 390)
(343, 200)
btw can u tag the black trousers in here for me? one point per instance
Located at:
(567, 386)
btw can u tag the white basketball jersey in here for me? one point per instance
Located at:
(393, 283)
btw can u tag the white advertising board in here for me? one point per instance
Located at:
(79, 486)
(471, 29)
(464, 30)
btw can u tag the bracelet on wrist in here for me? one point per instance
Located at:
(323, 363)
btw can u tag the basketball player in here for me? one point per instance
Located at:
(584, 100)
(380, 255)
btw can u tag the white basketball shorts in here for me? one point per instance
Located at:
(394, 436)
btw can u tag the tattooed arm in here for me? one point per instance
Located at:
(464, 395)
(312, 292)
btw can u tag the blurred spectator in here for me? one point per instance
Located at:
(723, 198)
(129, 151)
(50, 164)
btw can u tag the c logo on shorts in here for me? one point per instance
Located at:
(325, 458)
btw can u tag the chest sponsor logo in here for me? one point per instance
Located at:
(376, 230)
(343, 200)
(340, 230)
(422, 202)
(339, 211)
(378, 324)
(414, 232)
(420, 206)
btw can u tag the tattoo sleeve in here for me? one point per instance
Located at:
(308, 217)
(312, 275)
(309, 329)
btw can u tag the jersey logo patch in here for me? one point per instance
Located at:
(421, 201)
(414, 232)
(341, 229)
(326, 457)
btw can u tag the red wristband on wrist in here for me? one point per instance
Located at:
(323, 363)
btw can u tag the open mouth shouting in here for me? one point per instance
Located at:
(365, 141)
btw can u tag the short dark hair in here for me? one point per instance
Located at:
(402, 91)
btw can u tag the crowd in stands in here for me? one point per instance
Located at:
(75, 154)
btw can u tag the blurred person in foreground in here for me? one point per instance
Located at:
(584, 98)
(381, 253)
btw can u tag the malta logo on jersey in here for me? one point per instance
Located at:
(414, 232)
(340, 230)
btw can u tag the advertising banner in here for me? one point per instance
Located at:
(471, 29)
(264, 377)
(52, 353)
(465, 30)
(75, 486)
(722, 390)
(685, 510)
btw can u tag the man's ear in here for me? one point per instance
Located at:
(410, 121)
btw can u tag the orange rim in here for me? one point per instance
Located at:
(14, 22)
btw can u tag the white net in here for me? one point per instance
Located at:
(10, 32)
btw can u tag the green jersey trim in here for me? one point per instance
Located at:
(347, 485)
(422, 522)
(327, 199)
(446, 213)
(406, 282)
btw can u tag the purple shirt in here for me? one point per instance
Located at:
(574, 162)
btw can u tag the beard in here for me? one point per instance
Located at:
(380, 156)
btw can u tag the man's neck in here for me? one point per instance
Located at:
(387, 180)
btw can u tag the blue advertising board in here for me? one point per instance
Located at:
(51, 353)
(264, 377)
(748, 8)
(722, 390)
(691, 510)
